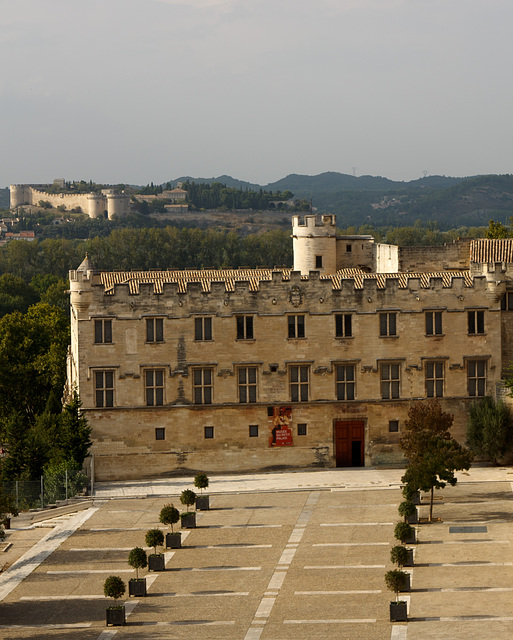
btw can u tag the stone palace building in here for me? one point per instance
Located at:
(315, 366)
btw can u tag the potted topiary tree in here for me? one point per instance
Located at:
(201, 482)
(169, 515)
(396, 581)
(401, 556)
(188, 518)
(115, 588)
(411, 494)
(137, 559)
(405, 533)
(156, 561)
(409, 512)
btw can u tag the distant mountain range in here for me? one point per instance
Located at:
(356, 200)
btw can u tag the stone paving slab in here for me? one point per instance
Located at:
(269, 593)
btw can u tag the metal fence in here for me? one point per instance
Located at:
(48, 490)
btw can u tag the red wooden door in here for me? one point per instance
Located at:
(349, 443)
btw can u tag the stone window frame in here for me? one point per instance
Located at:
(434, 323)
(103, 331)
(343, 383)
(434, 376)
(208, 432)
(507, 301)
(388, 324)
(296, 326)
(476, 322)
(155, 330)
(203, 329)
(247, 388)
(390, 384)
(476, 374)
(160, 433)
(253, 431)
(302, 428)
(103, 382)
(299, 382)
(154, 386)
(202, 385)
(343, 325)
(244, 326)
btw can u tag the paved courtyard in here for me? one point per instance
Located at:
(307, 562)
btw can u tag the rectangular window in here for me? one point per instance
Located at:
(103, 331)
(160, 433)
(434, 379)
(301, 429)
(345, 381)
(299, 383)
(247, 381)
(154, 329)
(209, 433)
(387, 324)
(476, 372)
(393, 426)
(104, 388)
(390, 381)
(253, 431)
(202, 328)
(343, 325)
(244, 327)
(202, 383)
(296, 326)
(154, 387)
(507, 301)
(318, 262)
(433, 323)
(475, 322)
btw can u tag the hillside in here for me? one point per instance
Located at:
(450, 202)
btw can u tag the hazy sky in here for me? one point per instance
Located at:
(148, 90)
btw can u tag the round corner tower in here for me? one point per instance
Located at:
(20, 194)
(314, 243)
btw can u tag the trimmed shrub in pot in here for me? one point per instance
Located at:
(188, 518)
(114, 587)
(137, 559)
(411, 494)
(169, 515)
(201, 482)
(156, 561)
(409, 512)
(396, 582)
(405, 533)
(401, 556)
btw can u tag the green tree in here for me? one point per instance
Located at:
(496, 230)
(490, 429)
(433, 455)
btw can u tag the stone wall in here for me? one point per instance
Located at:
(124, 436)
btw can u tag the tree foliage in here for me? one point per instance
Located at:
(169, 515)
(154, 538)
(114, 587)
(490, 429)
(433, 455)
(137, 559)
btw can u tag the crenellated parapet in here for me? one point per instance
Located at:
(95, 205)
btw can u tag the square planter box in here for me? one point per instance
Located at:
(173, 541)
(137, 587)
(116, 616)
(188, 520)
(398, 612)
(413, 519)
(409, 561)
(156, 562)
(407, 586)
(203, 503)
